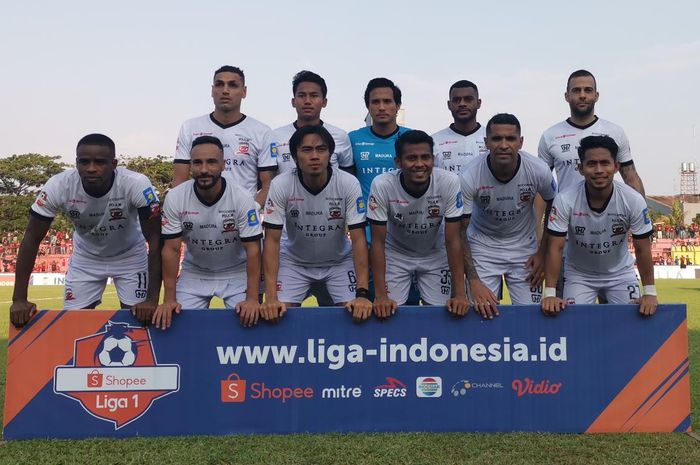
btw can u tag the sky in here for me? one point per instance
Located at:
(136, 70)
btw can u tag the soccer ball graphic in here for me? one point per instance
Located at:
(117, 352)
(116, 348)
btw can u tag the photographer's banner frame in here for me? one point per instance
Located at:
(88, 373)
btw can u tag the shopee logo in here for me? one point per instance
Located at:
(233, 389)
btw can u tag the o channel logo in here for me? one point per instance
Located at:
(429, 386)
(460, 388)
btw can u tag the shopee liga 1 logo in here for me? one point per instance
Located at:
(115, 376)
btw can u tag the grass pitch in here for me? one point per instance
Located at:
(379, 448)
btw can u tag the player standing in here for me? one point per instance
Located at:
(219, 223)
(559, 144)
(464, 138)
(309, 92)
(316, 203)
(249, 146)
(597, 215)
(112, 210)
(406, 212)
(501, 237)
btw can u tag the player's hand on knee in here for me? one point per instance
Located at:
(273, 310)
(551, 306)
(384, 307)
(163, 315)
(536, 266)
(144, 311)
(484, 300)
(21, 312)
(647, 304)
(249, 312)
(360, 307)
(458, 306)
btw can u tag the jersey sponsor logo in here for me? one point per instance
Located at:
(42, 198)
(335, 213)
(363, 144)
(645, 214)
(526, 194)
(364, 156)
(458, 200)
(446, 155)
(580, 230)
(243, 147)
(273, 150)
(115, 375)
(565, 148)
(360, 202)
(252, 218)
(116, 214)
(373, 205)
(68, 296)
(485, 199)
(618, 228)
(564, 136)
(434, 211)
(150, 196)
(229, 225)
(187, 225)
(294, 212)
(75, 214)
(384, 155)
(398, 216)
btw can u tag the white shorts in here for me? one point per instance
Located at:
(294, 280)
(492, 268)
(582, 289)
(194, 292)
(432, 274)
(87, 277)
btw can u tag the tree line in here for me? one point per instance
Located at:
(22, 176)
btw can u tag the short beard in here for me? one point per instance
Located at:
(206, 188)
(582, 114)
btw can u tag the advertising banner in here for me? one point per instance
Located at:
(604, 368)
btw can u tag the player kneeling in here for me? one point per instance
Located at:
(316, 203)
(597, 215)
(112, 211)
(406, 212)
(219, 223)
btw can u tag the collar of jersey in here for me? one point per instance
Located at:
(218, 197)
(571, 123)
(605, 204)
(225, 126)
(398, 128)
(294, 124)
(517, 168)
(415, 196)
(453, 129)
(308, 189)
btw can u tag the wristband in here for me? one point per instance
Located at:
(549, 292)
(649, 289)
(362, 292)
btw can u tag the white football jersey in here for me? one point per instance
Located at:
(559, 147)
(106, 226)
(414, 225)
(212, 232)
(597, 239)
(315, 222)
(249, 146)
(341, 157)
(502, 213)
(453, 150)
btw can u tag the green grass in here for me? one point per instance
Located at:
(413, 448)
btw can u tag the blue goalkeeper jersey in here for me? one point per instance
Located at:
(373, 154)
